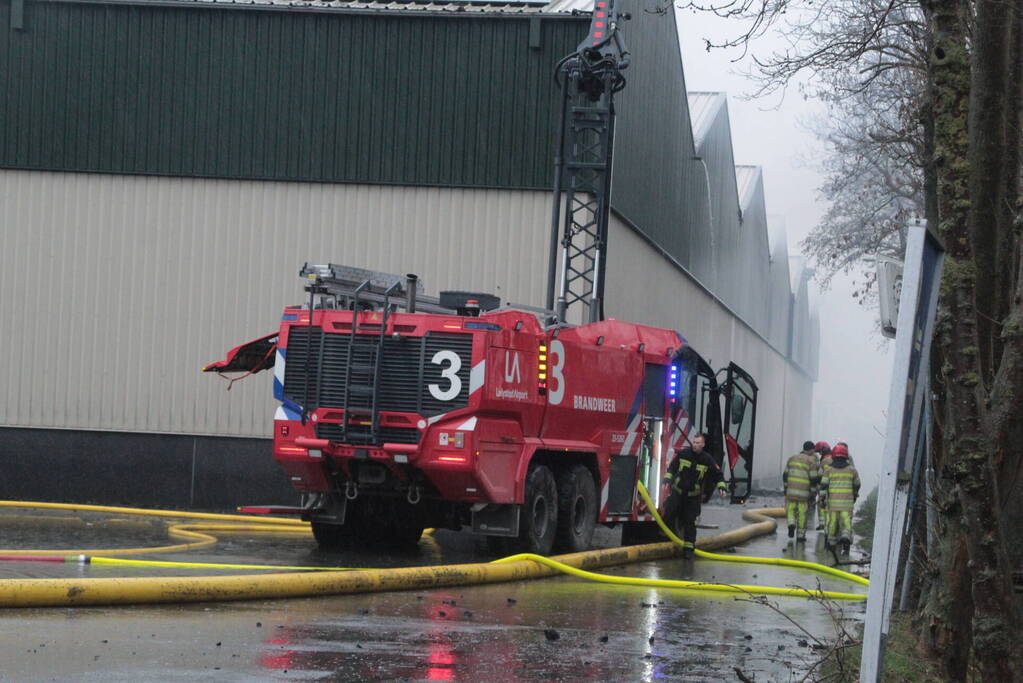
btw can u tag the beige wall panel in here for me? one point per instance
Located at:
(115, 290)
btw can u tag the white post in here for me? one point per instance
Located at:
(917, 305)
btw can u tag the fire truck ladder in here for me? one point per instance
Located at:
(582, 170)
(362, 370)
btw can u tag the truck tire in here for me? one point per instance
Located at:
(333, 536)
(577, 509)
(538, 522)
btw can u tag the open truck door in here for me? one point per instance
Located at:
(695, 406)
(740, 421)
(250, 357)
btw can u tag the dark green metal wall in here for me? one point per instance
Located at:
(327, 96)
(658, 186)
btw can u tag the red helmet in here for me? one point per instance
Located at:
(840, 451)
(821, 445)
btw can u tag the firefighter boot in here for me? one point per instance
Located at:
(792, 530)
(687, 553)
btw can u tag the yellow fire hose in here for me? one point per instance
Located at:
(186, 531)
(145, 512)
(117, 562)
(778, 561)
(681, 584)
(335, 581)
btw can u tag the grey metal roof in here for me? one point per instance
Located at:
(703, 110)
(746, 179)
(466, 7)
(569, 6)
(778, 240)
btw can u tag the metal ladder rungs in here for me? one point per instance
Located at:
(363, 367)
(359, 411)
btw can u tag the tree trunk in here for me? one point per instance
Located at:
(995, 619)
(970, 138)
(948, 610)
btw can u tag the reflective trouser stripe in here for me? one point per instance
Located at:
(839, 525)
(795, 511)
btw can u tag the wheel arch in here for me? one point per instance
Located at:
(558, 461)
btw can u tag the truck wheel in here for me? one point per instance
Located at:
(538, 522)
(332, 536)
(577, 509)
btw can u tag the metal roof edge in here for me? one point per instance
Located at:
(494, 10)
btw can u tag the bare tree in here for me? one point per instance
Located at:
(873, 175)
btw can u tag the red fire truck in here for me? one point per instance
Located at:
(400, 412)
(460, 413)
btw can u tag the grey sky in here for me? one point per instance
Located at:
(851, 395)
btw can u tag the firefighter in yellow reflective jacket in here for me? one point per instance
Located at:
(802, 473)
(693, 476)
(840, 486)
(826, 457)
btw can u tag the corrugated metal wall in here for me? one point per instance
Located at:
(682, 193)
(116, 290)
(330, 96)
(347, 97)
(657, 183)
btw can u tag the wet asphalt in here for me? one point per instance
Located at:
(562, 629)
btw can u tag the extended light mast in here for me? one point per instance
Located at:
(582, 167)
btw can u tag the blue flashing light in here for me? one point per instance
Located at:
(673, 384)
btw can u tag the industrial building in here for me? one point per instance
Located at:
(166, 166)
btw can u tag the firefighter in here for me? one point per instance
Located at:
(693, 476)
(840, 487)
(801, 474)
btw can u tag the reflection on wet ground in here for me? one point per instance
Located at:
(557, 629)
